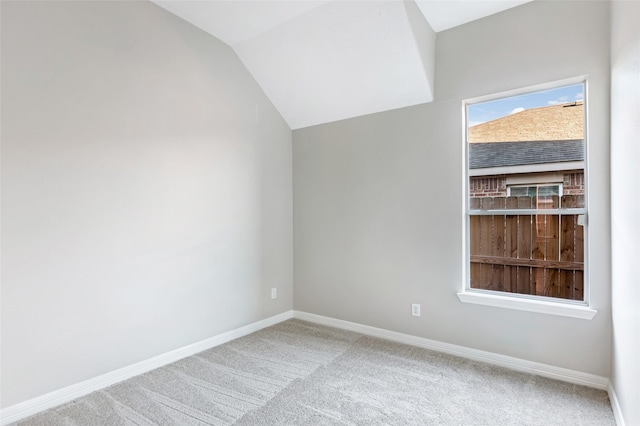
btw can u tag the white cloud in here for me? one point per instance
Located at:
(560, 100)
(580, 96)
(517, 110)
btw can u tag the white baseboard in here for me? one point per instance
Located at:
(615, 406)
(544, 370)
(33, 406)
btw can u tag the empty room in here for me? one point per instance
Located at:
(320, 212)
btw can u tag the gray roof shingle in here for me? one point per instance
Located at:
(502, 154)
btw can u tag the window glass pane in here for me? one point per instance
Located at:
(548, 190)
(536, 143)
(521, 191)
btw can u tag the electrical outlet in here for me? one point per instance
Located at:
(415, 310)
(274, 293)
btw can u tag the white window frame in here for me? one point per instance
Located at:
(537, 185)
(524, 302)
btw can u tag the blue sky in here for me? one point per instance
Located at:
(487, 111)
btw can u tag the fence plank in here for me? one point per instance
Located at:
(579, 243)
(537, 252)
(511, 246)
(578, 293)
(567, 252)
(486, 245)
(552, 285)
(552, 253)
(579, 257)
(474, 235)
(475, 269)
(497, 249)
(566, 282)
(524, 246)
(572, 201)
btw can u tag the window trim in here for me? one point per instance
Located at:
(524, 303)
(530, 303)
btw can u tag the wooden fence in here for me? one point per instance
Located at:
(528, 254)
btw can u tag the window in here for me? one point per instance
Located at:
(526, 197)
(542, 194)
(548, 190)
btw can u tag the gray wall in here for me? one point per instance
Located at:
(625, 206)
(146, 191)
(378, 199)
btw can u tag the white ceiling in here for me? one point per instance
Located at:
(445, 14)
(322, 61)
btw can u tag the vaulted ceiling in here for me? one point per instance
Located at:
(322, 61)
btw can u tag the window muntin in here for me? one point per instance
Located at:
(528, 239)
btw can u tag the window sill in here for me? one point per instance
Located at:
(540, 306)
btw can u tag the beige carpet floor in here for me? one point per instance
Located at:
(299, 373)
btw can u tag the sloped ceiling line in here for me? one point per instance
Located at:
(323, 61)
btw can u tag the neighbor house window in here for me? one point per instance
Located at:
(526, 192)
(535, 191)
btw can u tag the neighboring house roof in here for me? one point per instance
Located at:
(505, 154)
(551, 134)
(556, 122)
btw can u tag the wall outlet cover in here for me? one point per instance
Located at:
(415, 309)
